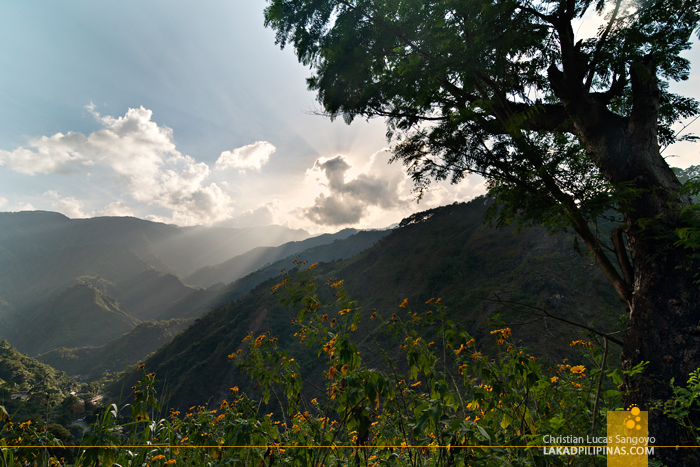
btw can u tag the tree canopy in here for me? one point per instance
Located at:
(563, 128)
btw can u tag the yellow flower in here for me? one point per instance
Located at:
(578, 369)
(158, 457)
(234, 389)
(313, 265)
(438, 301)
(430, 301)
(374, 315)
(554, 379)
(404, 304)
(345, 311)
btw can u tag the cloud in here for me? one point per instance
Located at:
(140, 156)
(349, 202)
(69, 206)
(251, 156)
(266, 214)
(115, 209)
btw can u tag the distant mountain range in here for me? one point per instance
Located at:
(444, 252)
(84, 282)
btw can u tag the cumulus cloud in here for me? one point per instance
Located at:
(68, 205)
(266, 214)
(115, 209)
(348, 202)
(251, 156)
(141, 156)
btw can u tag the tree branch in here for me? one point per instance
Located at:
(506, 303)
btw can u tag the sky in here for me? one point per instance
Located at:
(188, 113)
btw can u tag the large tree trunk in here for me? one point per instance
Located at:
(664, 331)
(664, 324)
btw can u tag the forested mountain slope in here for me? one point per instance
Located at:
(445, 252)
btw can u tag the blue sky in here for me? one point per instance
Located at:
(186, 112)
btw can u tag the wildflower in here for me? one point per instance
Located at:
(224, 404)
(24, 425)
(314, 401)
(333, 322)
(554, 379)
(374, 315)
(141, 366)
(158, 457)
(230, 357)
(532, 358)
(313, 265)
(415, 384)
(234, 389)
(476, 355)
(170, 462)
(582, 344)
(219, 418)
(577, 385)
(438, 301)
(344, 369)
(505, 332)
(394, 318)
(459, 350)
(404, 304)
(431, 343)
(345, 311)
(578, 369)
(332, 372)
(324, 317)
(430, 301)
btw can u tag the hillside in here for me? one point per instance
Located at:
(133, 264)
(445, 253)
(92, 362)
(240, 265)
(203, 301)
(22, 374)
(82, 315)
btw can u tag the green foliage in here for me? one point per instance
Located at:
(450, 255)
(685, 402)
(431, 402)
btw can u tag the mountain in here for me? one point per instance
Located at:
(203, 301)
(92, 362)
(444, 252)
(81, 315)
(169, 248)
(133, 263)
(240, 265)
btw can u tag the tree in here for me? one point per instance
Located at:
(564, 130)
